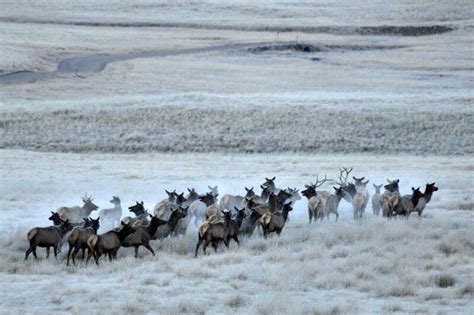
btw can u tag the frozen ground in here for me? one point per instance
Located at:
(376, 266)
(385, 87)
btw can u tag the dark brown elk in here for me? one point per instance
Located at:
(275, 222)
(78, 237)
(166, 229)
(108, 243)
(404, 205)
(429, 190)
(251, 220)
(141, 215)
(46, 237)
(214, 233)
(75, 214)
(112, 215)
(376, 205)
(236, 224)
(143, 234)
(270, 184)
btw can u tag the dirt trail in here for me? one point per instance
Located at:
(98, 62)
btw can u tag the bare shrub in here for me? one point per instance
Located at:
(444, 280)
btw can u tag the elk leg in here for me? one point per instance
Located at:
(74, 253)
(29, 251)
(55, 250)
(96, 258)
(197, 247)
(47, 252)
(206, 243)
(83, 253)
(214, 245)
(147, 246)
(236, 239)
(68, 254)
(136, 251)
(110, 256)
(310, 213)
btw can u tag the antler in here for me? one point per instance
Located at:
(343, 175)
(322, 181)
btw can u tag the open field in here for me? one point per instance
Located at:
(420, 265)
(131, 98)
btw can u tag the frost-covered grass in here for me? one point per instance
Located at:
(420, 265)
(342, 267)
(197, 128)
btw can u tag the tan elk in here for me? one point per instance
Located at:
(390, 197)
(114, 214)
(75, 214)
(230, 202)
(316, 200)
(332, 203)
(361, 188)
(376, 205)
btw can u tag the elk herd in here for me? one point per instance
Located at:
(218, 220)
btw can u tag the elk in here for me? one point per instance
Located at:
(274, 222)
(108, 243)
(362, 189)
(214, 233)
(342, 182)
(316, 201)
(235, 225)
(250, 222)
(75, 214)
(141, 215)
(390, 196)
(270, 184)
(198, 209)
(78, 237)
(406, 204)
(113, 214)
(295, 196)
(166, 229)
(332, 203)
(429, 190)
(376, 205)
(358, 200)
(232, 201)
(163, 208)
(47, 237)
(143, 234)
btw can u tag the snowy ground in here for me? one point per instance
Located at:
(376, 266)
(387, 89)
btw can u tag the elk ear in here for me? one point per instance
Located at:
(397, 181)
(388, 180)
(246, 189)
(261, 186)
(142, 203)
(98, 218)
(366, 182)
